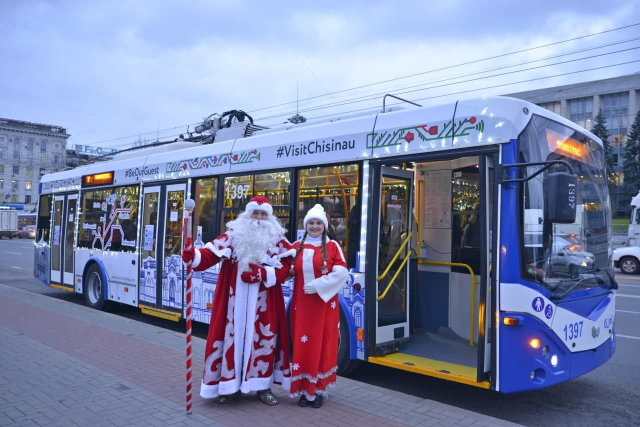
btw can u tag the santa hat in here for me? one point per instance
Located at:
(259, 203)
(316, 212)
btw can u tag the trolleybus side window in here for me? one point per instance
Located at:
(123, 228)
(92, 207)
(336, 189)
(97, 228)
(44, 218)
(205, 216)
(238, 190)
(466, 218)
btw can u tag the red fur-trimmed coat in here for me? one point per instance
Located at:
(315, 318)
(248, 341)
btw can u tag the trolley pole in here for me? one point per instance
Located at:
(189, 206)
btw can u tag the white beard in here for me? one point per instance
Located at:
(252, 238)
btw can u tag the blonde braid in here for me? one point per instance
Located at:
(292, 272)
(324, 246)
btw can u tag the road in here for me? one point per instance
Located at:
(608, 395)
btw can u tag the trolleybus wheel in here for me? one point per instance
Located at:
(346, 365)
(94, 288)
(629, 265)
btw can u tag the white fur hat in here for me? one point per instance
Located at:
(259, 203)
(316, 212)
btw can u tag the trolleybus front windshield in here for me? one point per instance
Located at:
(564, 257)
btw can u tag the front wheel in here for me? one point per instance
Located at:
(94, 287)
(630, 265)
(346, 364)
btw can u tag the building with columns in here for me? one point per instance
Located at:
(28, 151)
(619, 99)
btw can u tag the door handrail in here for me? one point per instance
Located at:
(393, 279)
(474, 282)
(396, 256)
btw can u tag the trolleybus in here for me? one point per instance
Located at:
(458, 222)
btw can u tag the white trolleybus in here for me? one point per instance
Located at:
(468, 261)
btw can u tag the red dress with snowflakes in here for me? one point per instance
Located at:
(247, 345)
(315, 318)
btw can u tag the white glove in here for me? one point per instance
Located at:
(310, 289)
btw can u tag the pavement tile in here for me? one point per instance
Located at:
(93, 375)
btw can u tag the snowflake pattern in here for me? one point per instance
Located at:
(304, 338)
(333, 304)
(295, 366)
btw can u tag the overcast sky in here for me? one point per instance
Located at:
(113, 69)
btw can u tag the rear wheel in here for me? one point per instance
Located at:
(94, 288)
(630, 265)
(346, 365)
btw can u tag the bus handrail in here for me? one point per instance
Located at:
(396, 256)
(393, 279)
(473, 286)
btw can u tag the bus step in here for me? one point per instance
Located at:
(163, 314)
(433, 368)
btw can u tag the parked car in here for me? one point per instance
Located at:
(27, 232)
(627, 259)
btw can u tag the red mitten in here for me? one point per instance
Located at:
(188, 254)
(256, 275)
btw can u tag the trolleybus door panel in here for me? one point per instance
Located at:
(392, 305)
(148, 254)
(69, 220)
(172, 247)
(57, 241)
(161, 263)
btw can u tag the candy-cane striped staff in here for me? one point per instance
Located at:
(189, 206)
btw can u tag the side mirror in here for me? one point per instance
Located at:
(561, 197)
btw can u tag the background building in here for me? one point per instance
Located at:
(28, 151)
(619, 100)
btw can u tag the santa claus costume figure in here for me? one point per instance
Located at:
(247, 345)
(320, 272)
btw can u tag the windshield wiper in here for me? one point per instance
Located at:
(614, 283)
(570, 288)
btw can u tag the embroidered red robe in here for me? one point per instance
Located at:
(247, 345)
(315, 318)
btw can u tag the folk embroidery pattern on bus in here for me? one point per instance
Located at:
(424, 133)
(213, 161)
(65, 182)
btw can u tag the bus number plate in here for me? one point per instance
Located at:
(573, 331)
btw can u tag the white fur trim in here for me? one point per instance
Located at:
(278, 377)
(270, 280)
(208, 391)
(256, 384)
(220, 253)
(308, 275)
(339, 251)
(253, 206)
(330, 284)
(290, 252)
(196, 259)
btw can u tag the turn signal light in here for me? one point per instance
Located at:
(360, 334)
(511, 321)
(535, 343)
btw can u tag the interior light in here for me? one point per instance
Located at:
(535, 343)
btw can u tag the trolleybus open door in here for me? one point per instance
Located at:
(160, 260)
(63, 241)
(395, 197)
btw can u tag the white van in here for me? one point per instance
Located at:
(634, 222)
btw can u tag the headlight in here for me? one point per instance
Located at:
(554, 360)
(584, 264)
